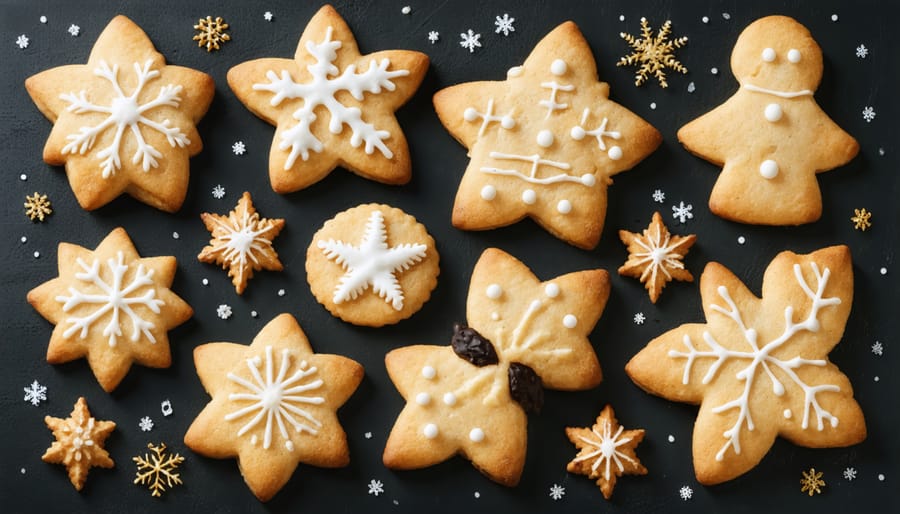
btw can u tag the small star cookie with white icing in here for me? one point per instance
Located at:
(79, 443)
(274, 405)
(655, 256)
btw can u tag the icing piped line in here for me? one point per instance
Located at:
(536, 161)
(775, 92)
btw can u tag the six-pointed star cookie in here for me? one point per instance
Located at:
(655, 256)
(543, 143)
(125, 121)
(241, 242)
(273, 405)
(759, 367)
(79, 443)
(112, 307)
(331, 106)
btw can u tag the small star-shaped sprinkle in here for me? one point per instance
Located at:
(218, 192)
(812, 482)
(504, 24)
(470, 40)
(878, 348)
(653, 54)
(210, 33)
(146, 424)
(861, 219)
(655, 256)
(268, 15)
(37, 207)
(557, 491)
(686, 492)
(22, 42)
(606, 451)
(156, 471)
(74, 30)
(639, 318)
(376, 487)
(868, 113)
(79, 443)
(862, 51)
(239, 148)
(433, 36)
(659, 196)
(849, 474)
(35, 393)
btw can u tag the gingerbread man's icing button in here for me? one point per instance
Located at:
(768, 169)
(773, 112)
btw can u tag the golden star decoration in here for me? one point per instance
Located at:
(812, 482)
(79, 443)
(125, 121)
(273, 405)
(157, 471)
(861, 219)
(210, 33)
(654, 54)
(37, 207)
(606, 451)
(111, 306)
(655, 256)
(241, 242)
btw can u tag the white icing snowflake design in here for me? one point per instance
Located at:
(376, 487)
(22, 42)
(35, 393)
(116, 297)
(878, 348)
(557, 491)
(372, 263)
(862, 51)
(146, 424)
(434, 36)
(686, 492)
(682, 212)
(218, 192)
(469, 40)
(74, 30)
(659, 196)
(849, 474)
(124, 112)
(868, 114)
(606, 444)
(276, 398)
(504, 24)
(639, 318)
(223, 311)
(321, 90)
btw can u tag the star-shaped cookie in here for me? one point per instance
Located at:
(79, 443)
(543, 143)
(110, 306)
(273, 405)
(655, 256)
(331, 106)
(125, 121)
(606, 451)
(241, 242)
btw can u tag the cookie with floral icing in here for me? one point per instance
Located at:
(332, 106)
(112, 307)
(274, 405)
(771, 138)
(79, 443)
(544, 143)
(372, 265)
(759, 367)
(471, 398)
(125, 121)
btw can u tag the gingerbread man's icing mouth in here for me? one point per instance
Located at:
(775, 92)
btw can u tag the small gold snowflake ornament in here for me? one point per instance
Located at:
(653, 54)
(156, 471)
(861, 219)
(37, 207)
(211, 33)
(812, 482)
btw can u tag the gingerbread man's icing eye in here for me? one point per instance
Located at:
(793, 55)
(768, 55)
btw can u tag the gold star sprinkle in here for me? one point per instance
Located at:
(861, 220)
(37, 207)
(812, 482)
(211, 33)
(654, 54)
(156, 471)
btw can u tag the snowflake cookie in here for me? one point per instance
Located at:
(79, 443)
(331, 106)
(125, 121)
(273, 405)
(472, 397)
(759, 367)
(543, 143)
(241, 242)
(606, 451)
(372, 265)
(771, 138)
(655, 256)
(110, 306)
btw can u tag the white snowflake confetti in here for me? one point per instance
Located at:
(376, 487)
(639, 318)
(433, 36)
(406, 9)
(238, 148)
(166, 408)
(849, 474)
(368, 435)
(218, 192)
(22, 41)
(682, 212)
(224, 311)
(504, 24)
(659, 196)
(726, 16)
(862, 51)
(146, 424)
(686, 492)
(557, 492)
(268, 15)
(468, 40)
(868, 114)
(74, 30)
(878, 348)
(691, 87)
(35, 393)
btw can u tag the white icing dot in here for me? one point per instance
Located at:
(880, 477)
(476, 435)
(254, 313)
(515, 71)
(714, 70)
(494, 291)
(834, 17)
(794, 55)
(37, 255)
(741, 240)
(423, 398)
(205, 281)
(253, 439)
(281, 292)
(495, 316)
(289, 445)
(477, 494)
(23, 177)
(551, 290)
(768, 169)
(877, 379)
(529, 196)
(406, 9)
(773, 112)
(507, 122)
(788, 413)
(671, 438)
(470, 114)
(705, 19)
(588, 179)
(488, 192)
(450, 399)
(564, 207)
(43, 20)
(428, 372)
(653, 105)
(545, 138)
(175, 235)
(430, 431)
(883, 271)
(615, 153)
(621, 17)
(368, 435)
(569, 321)
(24, 239)
(768, 55)
(558, 67)
(577, 133)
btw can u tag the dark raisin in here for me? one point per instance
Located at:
(526, 388)
(472, 346)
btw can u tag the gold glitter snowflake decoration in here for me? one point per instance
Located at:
(156, 470)
(211, 33)
(654, 54)
(862, 219)
(37, 207)
(812, 482)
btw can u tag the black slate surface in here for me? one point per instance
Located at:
(849, 84)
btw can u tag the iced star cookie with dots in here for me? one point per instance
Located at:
(544, 143)
(771, 137)
(759, 367)
(125, 122)
(274, 405)
(332, 106)
(79, 443)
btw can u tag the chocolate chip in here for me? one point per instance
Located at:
(526, 388)
(472, 346)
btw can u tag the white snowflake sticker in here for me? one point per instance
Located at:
(470, 40)
(682, 212)
(504, 25)
(35, 393)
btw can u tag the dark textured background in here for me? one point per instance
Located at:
(869, 181)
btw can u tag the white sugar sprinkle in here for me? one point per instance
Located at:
(880, 477)
(205, 281)
(714, 71)
(175, 235)
(621, 17)
(741, 240)
(43, 20)
(23, 177)
(254, 314)
(653, 105)
(884, 271)
(24, 239)
(37, 255)
(877, 379)
(281, 292)
(671, 438)
(834, 17)
(406, 9)
(705, 19)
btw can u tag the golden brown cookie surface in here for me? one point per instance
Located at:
(79, 443)
(655, 257)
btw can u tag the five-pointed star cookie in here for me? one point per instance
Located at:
(655, 256)
(273, 405)
(543, 143)
(606, 451)
(79, 443)
(241, 242)
(110, 306)
(125, 121)
(759, 367)
(331, 106)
